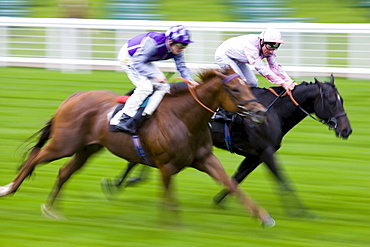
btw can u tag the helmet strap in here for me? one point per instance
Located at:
(261, 45)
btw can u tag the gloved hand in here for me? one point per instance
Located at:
(193, 83)
(288, 85)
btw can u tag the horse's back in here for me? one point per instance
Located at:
(82, 114)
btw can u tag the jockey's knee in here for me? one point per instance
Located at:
(144, 90)
(253, 83)
(163, 87)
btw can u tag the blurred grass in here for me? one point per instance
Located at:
(327, 11)
(331, 176)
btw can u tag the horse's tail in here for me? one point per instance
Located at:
(44, 137)
(45, 134)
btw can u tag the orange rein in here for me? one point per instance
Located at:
(192, 92)
(289, 93)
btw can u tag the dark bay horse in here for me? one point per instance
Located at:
(258, 143)
(175, 137)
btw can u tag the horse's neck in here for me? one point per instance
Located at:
(284, 108)
(192, 112)
(304, 96)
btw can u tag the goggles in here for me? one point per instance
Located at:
(272, 46)
(181, 45)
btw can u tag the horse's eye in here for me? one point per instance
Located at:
(332, 102)
(235, 90)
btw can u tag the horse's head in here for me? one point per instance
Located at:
(238, 97)
(329, 107)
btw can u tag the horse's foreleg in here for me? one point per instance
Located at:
(169, 202)
(111, 187)
(65, 173)
(142, 176)
(292, 203)
(169, 199)
(244, 169)
(133, 180)
(213, 167)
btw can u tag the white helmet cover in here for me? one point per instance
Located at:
(271, 35)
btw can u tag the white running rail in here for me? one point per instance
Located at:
(72, 44)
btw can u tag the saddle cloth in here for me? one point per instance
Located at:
(115, 118)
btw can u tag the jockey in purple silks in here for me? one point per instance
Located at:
(240, 51)
(136, 58)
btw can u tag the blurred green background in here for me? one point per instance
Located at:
(324, 11)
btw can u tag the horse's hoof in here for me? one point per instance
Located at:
(217, 199)
(50, 213)
(108, 187)
(5, 190)
(268, 223)
(132, 181)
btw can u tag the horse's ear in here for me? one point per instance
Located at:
(332, 78)
(219, 73)
(228, 70)
(316, 81)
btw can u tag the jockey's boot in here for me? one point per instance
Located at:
(122, 125)
(131, 125)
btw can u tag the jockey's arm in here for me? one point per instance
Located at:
(181, 67)
(266, 72)
(141, 58)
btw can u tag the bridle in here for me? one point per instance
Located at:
(332, 121)
(243, 110)
(240, 104)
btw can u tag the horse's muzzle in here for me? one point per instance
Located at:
(344, 133)
(340, 124)
(256, 116)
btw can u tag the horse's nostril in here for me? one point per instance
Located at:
(345, 133)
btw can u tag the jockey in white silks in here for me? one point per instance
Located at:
(136, 58)
(240, 51)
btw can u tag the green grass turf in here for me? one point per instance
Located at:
(330, 175)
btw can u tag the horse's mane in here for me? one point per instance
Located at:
(259, 91)
(179, 88)
(206, 74)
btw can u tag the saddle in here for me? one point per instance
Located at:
(137, 120)
(222, 117)
(221, 127)
(121, 103)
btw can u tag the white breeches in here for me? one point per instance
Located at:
(144, 87)
(241, 69)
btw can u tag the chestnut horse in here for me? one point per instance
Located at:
(175, 137)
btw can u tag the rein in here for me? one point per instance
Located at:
(331, 122)
(225, 81)
(284, 93)
(192, 92)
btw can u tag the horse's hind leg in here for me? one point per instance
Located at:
(65, 173)
(213, 167)
(49, 153)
